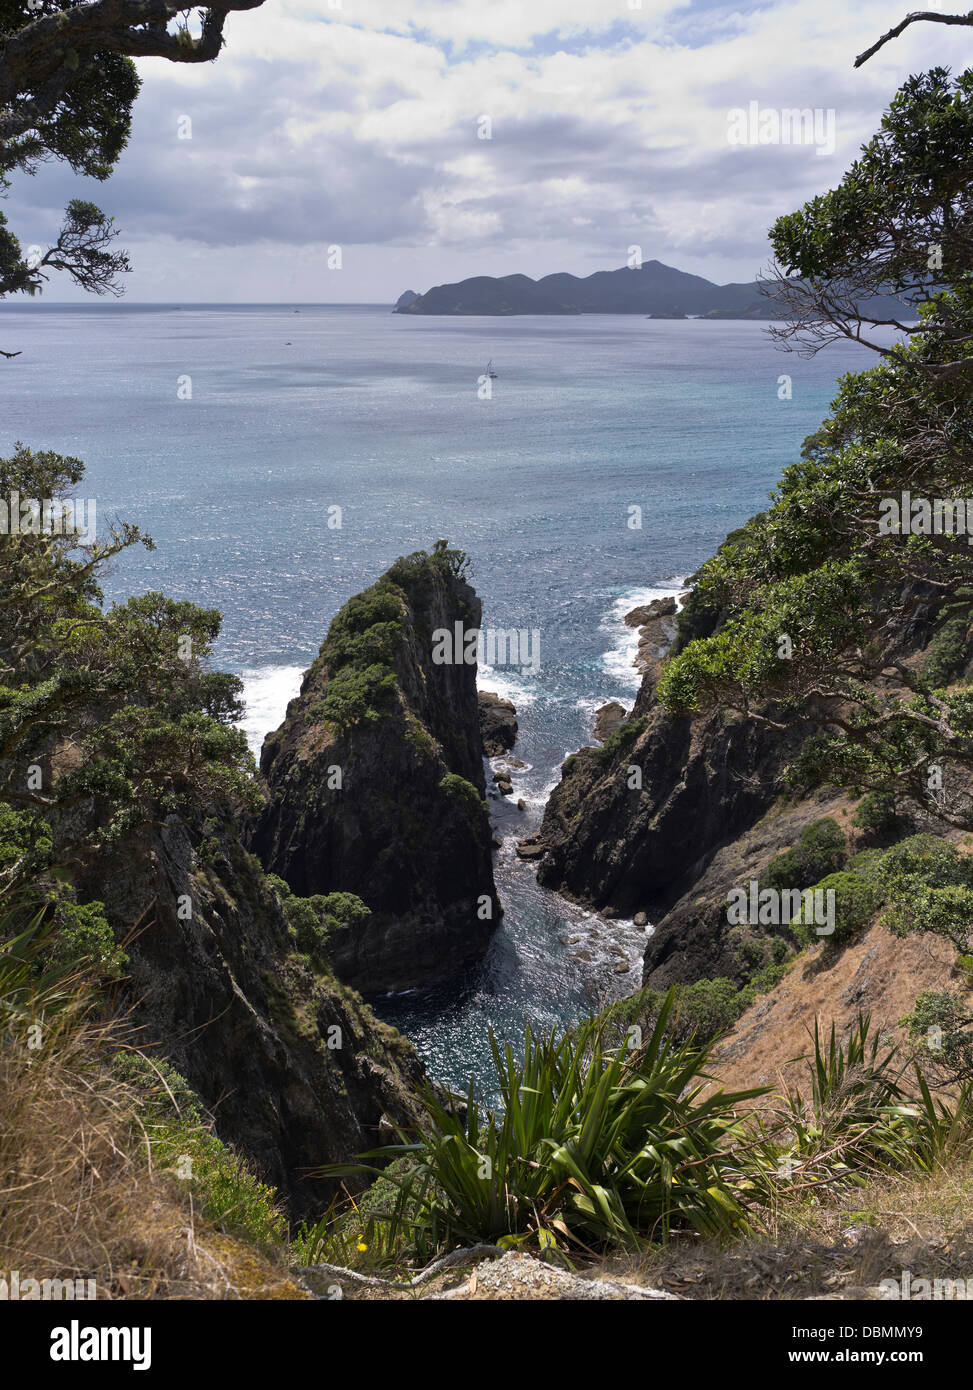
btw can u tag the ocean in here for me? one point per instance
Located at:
(232, 433)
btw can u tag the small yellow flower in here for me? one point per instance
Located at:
(361, 1244)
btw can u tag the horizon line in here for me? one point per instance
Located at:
(197, 303)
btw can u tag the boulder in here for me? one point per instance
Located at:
(648, 612)
(608, 719)
(498, 723)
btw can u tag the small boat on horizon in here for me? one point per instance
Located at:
(489, 371)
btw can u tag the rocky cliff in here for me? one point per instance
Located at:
(376, 786)
(292, 1064)
(672, 812)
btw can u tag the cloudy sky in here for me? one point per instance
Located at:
(360, 124)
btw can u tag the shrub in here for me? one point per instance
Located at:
(377, 644)
(626, 734)
(411, 569)
(868, 863)
(947, 653)
(26, 843)
(313, 920)
(707, 1008)
(355, 696)
(820, 850)
(179, 1140)
(464, 792)
(855, 1102)
(82, 938)
(926, 858)
(941, 1035)
(278, 885)
(164, 1093)
(855, 902)
(946, 912)
(591, 1144)
(876, 812)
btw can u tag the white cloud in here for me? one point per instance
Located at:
(359, 125)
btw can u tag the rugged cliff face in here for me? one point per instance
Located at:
(672, 812)
(295, 1069)
(376, 783)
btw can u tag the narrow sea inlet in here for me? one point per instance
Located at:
(288, 417)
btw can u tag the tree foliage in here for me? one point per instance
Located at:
(109, 719)
(814, 599)
(67, 87)
(899, 223)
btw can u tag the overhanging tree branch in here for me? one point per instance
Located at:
(917, 16)
(41, 61)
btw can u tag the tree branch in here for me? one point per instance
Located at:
(915, 17)
(46, 57)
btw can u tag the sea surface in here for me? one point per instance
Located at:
(230, 433)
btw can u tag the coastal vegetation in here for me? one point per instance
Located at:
(809, 592)
(68, 85)
(120, 745)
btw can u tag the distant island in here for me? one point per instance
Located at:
(655, 290)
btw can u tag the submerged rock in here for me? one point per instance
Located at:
(503, 782)
(531, 848)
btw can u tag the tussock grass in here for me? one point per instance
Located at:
(839, 1245)
(80, 1195)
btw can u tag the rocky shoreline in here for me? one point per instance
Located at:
(657, 632)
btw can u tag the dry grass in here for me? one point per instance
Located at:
(838, 1248)
(78, 1197)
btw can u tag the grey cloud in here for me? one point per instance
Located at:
(342, 189)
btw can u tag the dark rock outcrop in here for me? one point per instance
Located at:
(608, 719)
(640, 849)
(498, 723)
(675, 811)
(406, 298)
(293, 1066)
(656, 624)
(376, 783)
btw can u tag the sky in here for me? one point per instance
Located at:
(348, 150)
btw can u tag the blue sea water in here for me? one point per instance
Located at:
(227, 433)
